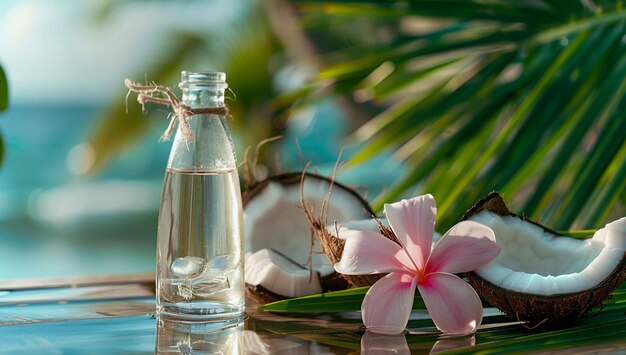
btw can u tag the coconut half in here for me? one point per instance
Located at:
(274, 219)
(272, 276)
(541, 276)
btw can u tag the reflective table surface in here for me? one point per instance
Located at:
(115, 315)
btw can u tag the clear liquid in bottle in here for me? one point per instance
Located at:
(199, 254)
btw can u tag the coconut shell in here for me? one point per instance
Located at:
(331, 246)
(295, 178)
(540, 311)
(262, 295)
(332, 282)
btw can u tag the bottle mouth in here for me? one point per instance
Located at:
(212, 79)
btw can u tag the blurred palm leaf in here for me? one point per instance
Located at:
(124, 122)
(525, 97)
(242, 50)
(4, 91)
(4, 103)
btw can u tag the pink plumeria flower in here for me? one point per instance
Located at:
(452, 303)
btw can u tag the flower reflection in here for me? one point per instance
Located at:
(380, 344)
(447, 343)
(374, 344)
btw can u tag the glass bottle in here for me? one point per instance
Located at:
(199, 251)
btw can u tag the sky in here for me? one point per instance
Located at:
(56, 51)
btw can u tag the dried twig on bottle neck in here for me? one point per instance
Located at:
(182, 112)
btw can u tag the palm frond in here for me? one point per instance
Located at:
(4, 90)
(4, 103)
(242, 51)
(521, 97)
(604, 327)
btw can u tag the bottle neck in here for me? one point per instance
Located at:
(211, 148)
(203, 89)
(196, 96)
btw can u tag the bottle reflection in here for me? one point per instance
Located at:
(227, 338)
(199, 338)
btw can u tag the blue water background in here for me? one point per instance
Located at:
(36, 187)
(37, 141)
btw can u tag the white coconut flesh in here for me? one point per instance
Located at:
(274, 219)
(534, 261)
(280, 275)
(369, 224)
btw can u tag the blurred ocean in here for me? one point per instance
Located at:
(54, 223)
(57, 223)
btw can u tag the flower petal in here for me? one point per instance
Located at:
(466, 246)
(413, 222)
(452, 303)
(387, 305)
(376, 344)
(368, 252)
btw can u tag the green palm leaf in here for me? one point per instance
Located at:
(522, 97)
(4, 103)
(4, 91)
(605, 326)
(241, 49)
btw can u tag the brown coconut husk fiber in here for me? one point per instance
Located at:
(333, 246)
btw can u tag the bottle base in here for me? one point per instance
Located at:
(204, 311)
